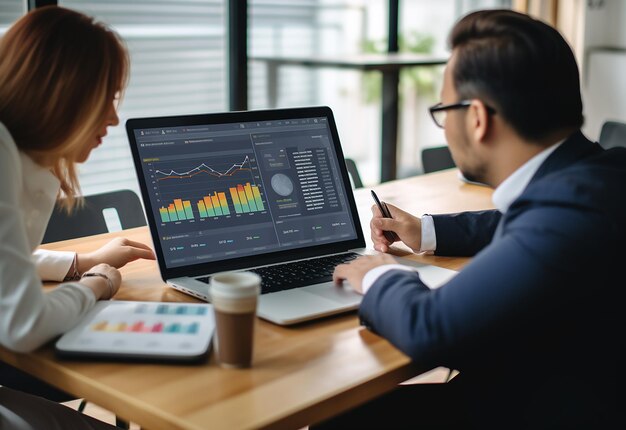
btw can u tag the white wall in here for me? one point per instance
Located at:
(604, 70)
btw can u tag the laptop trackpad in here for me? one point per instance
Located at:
(288, 307)
(343, 294)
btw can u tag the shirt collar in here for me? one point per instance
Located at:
(35, 179)
(39, 178)
(513, 186)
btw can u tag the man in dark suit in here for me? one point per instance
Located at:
(534, 323)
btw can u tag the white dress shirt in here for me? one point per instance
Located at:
(503, 196)
(28, 316)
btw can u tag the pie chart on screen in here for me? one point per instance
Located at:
(282, 184)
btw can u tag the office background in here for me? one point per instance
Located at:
(180, 51)
(180, 48)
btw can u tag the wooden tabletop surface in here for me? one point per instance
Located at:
(301, 374)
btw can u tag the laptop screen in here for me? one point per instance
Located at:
(222, 191)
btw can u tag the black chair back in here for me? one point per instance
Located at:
(354, 173)
(89, 219)
(613, 135)
(436, 158)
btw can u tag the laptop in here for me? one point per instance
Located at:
(266, 191)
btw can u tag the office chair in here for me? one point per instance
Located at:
(354, 173)
(90, 219)
(613, 135)
(436, 158)
(17, 380)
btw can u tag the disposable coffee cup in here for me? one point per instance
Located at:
(234, 296)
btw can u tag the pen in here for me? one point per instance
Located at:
(382, 206)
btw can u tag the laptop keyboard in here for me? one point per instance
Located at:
(298, 273)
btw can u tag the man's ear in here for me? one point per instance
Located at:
(479, 120)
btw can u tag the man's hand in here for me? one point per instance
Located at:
(407, 227)
(116, 253)
(355, 271)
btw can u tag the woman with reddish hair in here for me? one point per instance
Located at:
(61, 76)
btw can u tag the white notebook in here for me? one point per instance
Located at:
(141, 330)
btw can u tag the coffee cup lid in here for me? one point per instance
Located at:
(235, 284)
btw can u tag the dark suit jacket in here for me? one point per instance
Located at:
(535, 321)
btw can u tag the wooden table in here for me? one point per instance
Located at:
(389, 65)
(300, 375)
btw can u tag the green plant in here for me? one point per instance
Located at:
(422, 79)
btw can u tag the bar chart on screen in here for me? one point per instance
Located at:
(245, 198)
(207, 188)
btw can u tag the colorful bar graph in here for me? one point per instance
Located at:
(202, 209)
(137, 327)
(223, 203)
(188, 211)
(250, 197)
(193, 328)
(235, 197)
(213, 205)
(216, 205)
(101, 326)
(209, 206)
(142, 327)
(178, 310)
(172, 328)
(172, 212)
(257, 198)
(245, 199)
(178, 211)
(165, 216)
(119, 327)
(185, 320)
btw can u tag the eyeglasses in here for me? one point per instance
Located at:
(439, 112)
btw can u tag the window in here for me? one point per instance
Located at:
(282, 27)
(336, 28)
(423, 23)
(311, 28)
(10, 10)
(178, 66)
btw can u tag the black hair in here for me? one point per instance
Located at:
(520, 66)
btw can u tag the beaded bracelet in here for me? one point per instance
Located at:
(101, 275)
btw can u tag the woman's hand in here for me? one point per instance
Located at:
(105, 287)
(116, 253)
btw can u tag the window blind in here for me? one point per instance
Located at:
(178, 66)
(10, 10)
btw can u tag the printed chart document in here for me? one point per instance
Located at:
(141, 330)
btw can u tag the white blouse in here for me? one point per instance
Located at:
(28, 316)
